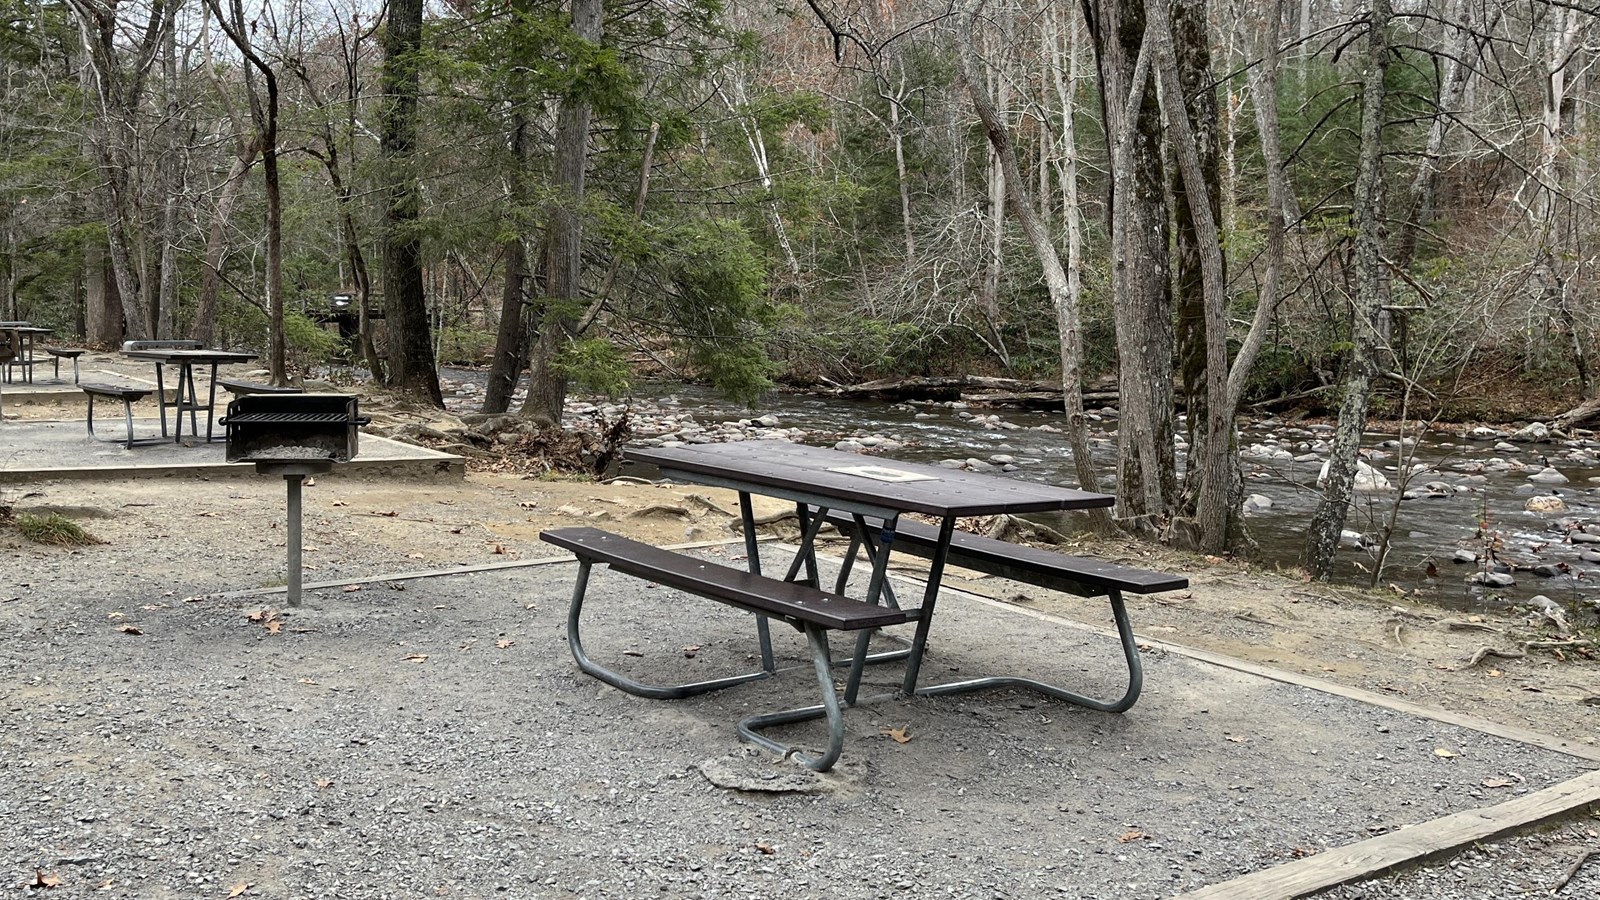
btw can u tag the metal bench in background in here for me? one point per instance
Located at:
(245, 388)
(57, 354)
(128, 395)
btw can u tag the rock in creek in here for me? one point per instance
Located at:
(1545, 503)
(1548, 475)
(1492, 579)
(1464, 556)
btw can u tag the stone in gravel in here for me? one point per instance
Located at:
(742, 772)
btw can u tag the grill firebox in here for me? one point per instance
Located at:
(293, 428)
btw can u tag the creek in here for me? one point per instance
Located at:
(1475, 477)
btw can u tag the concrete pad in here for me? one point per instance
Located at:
(30, 450)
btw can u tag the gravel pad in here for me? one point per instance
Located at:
(434, 738)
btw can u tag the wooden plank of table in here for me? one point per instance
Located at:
(1375, 855)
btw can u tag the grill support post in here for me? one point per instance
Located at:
(296, 566)
(294, 474)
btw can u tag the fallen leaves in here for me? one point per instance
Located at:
(268, 618)
(504, 643)
(691, 650)
(239, 889)
(323, 783)
(765, 848)
(43, 879)
(130, 629)
(351, 588)
(417, 658)
(1497, 782)
(1445, 753)
(901, 735)
(1131, 835)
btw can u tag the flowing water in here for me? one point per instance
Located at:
(1478, 482)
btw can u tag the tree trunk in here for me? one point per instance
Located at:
(166, 298)
(547, 383)
(102, 309)
(1191, 40)
(1141, 289)
(411, 368)
(1322, 534)
(1213, 487)
(510, 345)
(1056, 278)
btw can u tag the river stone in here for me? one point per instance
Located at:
(1583, 537)
(849, 446)
(1483, 434)
(1352, 540)
(1545, 503)
(1464, 556)
(1536, 433)
(1548, 475)
(1504, 447)
(1492, 579)
(1257, 502)
(1367, 478)
(768, 421)
(1591, 529)
(1002, 459)
(1545, 570)
(1540, 601)
(1589, 556)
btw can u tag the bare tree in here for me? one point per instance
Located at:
(118, 79)
(1371, 292)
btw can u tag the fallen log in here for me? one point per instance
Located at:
(1578, 415)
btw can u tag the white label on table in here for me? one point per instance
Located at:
(884, 473)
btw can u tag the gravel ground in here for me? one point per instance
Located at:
(433, 738)
(1527, 865)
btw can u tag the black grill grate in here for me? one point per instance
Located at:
(289, 418)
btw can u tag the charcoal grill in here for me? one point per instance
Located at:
(293, 435)
(276, 429)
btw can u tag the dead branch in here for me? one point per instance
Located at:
(1572, 870)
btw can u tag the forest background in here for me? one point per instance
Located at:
(1364, 206)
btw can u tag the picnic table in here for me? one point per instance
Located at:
(186, 399)
(21, 336)
(867, 497)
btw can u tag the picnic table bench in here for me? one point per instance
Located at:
(126, 395)
(240, 388)
(810, 610)
(57, 354)
(1029, 565)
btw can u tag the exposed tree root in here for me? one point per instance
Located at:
(1486, 652)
